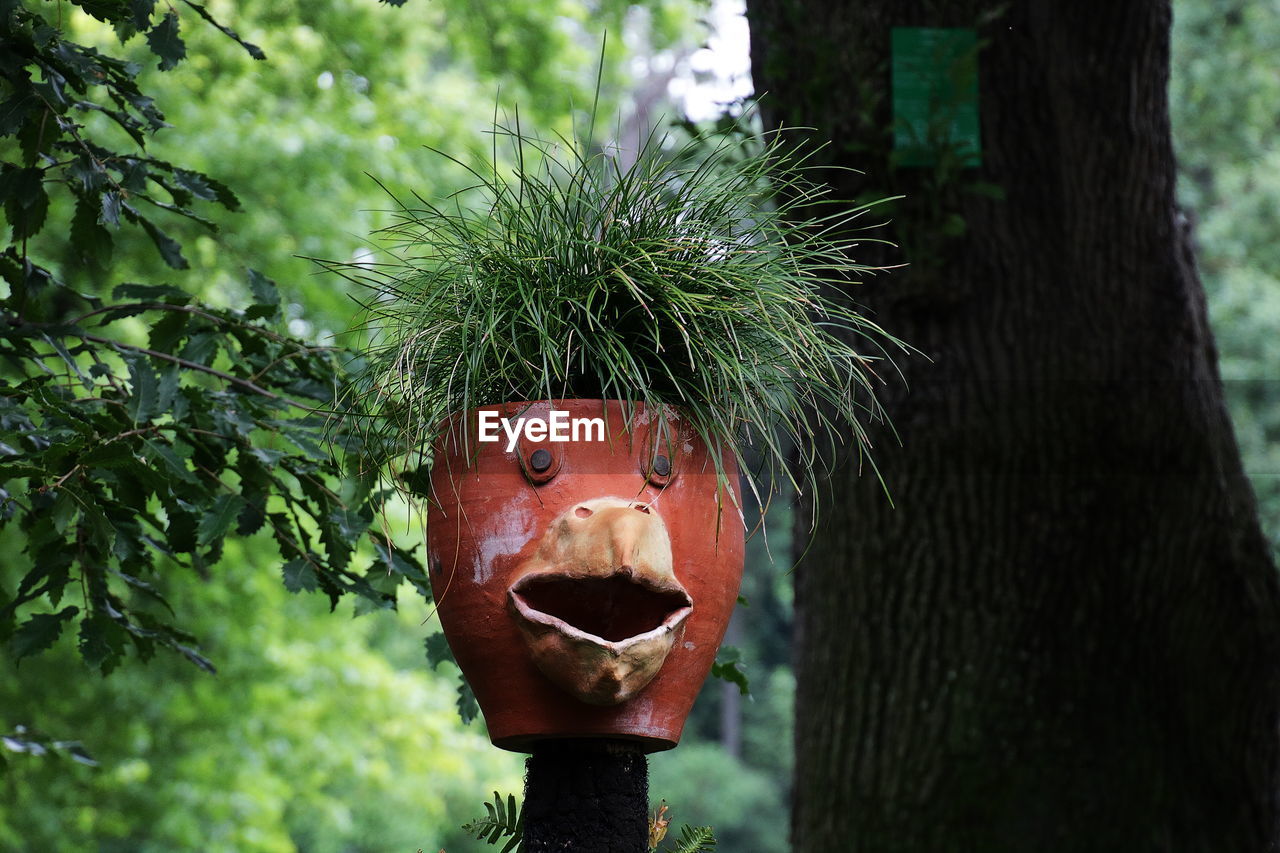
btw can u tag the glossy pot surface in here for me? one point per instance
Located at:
(584, 584)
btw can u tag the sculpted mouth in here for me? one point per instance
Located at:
(615, 608)
(600, 637)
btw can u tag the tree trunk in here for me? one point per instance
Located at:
(1066, 634)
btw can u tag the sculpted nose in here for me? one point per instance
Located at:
(627, 537)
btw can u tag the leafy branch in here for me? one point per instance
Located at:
(692, 839)
(727, 667)
(700, 839)
(139, 431)
(504, 821)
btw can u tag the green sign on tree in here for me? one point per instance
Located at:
(935, 95)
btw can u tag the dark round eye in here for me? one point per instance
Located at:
(540, 460)
(661, 466)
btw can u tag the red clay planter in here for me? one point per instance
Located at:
(585, 584)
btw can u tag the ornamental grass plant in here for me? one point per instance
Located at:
(710, 275)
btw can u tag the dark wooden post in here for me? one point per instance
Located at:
(587, 796)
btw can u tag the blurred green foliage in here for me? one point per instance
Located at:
(1223, 95)
(314, 735)
(705, 786)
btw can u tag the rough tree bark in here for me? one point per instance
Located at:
(1066, 635)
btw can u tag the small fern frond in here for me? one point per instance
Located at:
(504, 820)
(700, 839)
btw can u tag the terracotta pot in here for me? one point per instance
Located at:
(583, 585)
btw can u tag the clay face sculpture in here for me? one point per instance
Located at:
(584, 586)
(598, 604)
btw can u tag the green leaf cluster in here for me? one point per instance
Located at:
(122, 458)
(139, 430)
(49, 84)
(727, 667)
(504, 821)
(695, 839)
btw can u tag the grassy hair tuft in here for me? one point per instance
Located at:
(700, 276)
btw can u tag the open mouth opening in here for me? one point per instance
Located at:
(614, 608)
